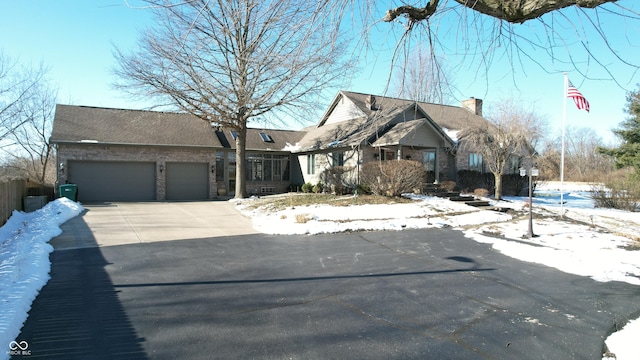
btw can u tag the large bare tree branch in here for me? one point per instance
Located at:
(565, 35)
(513, 11)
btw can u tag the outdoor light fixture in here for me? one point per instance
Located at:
(161, 167)
(62, 167)
(213, 169)
(532, 171)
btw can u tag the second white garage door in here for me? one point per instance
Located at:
(187, 181)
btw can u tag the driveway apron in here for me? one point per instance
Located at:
(109, 224)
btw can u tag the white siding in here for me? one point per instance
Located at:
(344, 110)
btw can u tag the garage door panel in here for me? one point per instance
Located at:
(187, 181)
(113, 181)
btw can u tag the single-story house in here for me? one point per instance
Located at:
(135, 155)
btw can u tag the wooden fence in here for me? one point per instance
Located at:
(11, 195)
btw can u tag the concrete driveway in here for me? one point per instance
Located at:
(111, 224)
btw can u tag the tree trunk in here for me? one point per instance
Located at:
(241, 142)
(498, 191)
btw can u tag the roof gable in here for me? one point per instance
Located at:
(357, 118)
(419, 133)
(341, 108)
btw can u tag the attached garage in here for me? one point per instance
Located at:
(137, 155)
(187, 181)
(113, 181)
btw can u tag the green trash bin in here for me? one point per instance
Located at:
(70, 191)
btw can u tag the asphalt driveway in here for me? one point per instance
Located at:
(421, 294)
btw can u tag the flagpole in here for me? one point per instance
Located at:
(564, 120)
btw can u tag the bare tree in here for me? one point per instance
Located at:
(557, 35)
(582, 160)
(423, 79)
(32, 151)
(17, 86)
(230, 61)
(27, 105)
(549, 160)
(512, 134)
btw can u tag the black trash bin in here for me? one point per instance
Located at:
(70, 191)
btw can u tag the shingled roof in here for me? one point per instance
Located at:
(262, 139)
(374, 116)
(446, 116)
(133, 127)
(83, 124)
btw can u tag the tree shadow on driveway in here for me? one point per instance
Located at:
(77, 314)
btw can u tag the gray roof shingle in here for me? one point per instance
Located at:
(135, 127)
(77, 124)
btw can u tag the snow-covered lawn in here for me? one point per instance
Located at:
(600, 243)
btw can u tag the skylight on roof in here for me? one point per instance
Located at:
(234, 134)
(265, 137)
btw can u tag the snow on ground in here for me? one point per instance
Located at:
(25, 265)
(600, 243)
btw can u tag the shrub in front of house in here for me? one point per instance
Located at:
(468, 180)
(516, 185)
(512, 184)
(448, 185)
(307, 188)
(337, 180)
(481, 193)
(393, 178)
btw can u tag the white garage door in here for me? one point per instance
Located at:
(187, 181)
(113, 181)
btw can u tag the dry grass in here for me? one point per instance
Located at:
(280, 202)
(303, 218)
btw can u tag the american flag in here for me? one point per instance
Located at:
(578, 98)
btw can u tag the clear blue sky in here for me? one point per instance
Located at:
(75, 39)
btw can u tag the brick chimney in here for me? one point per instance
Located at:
(370, 102)
(474, 105)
